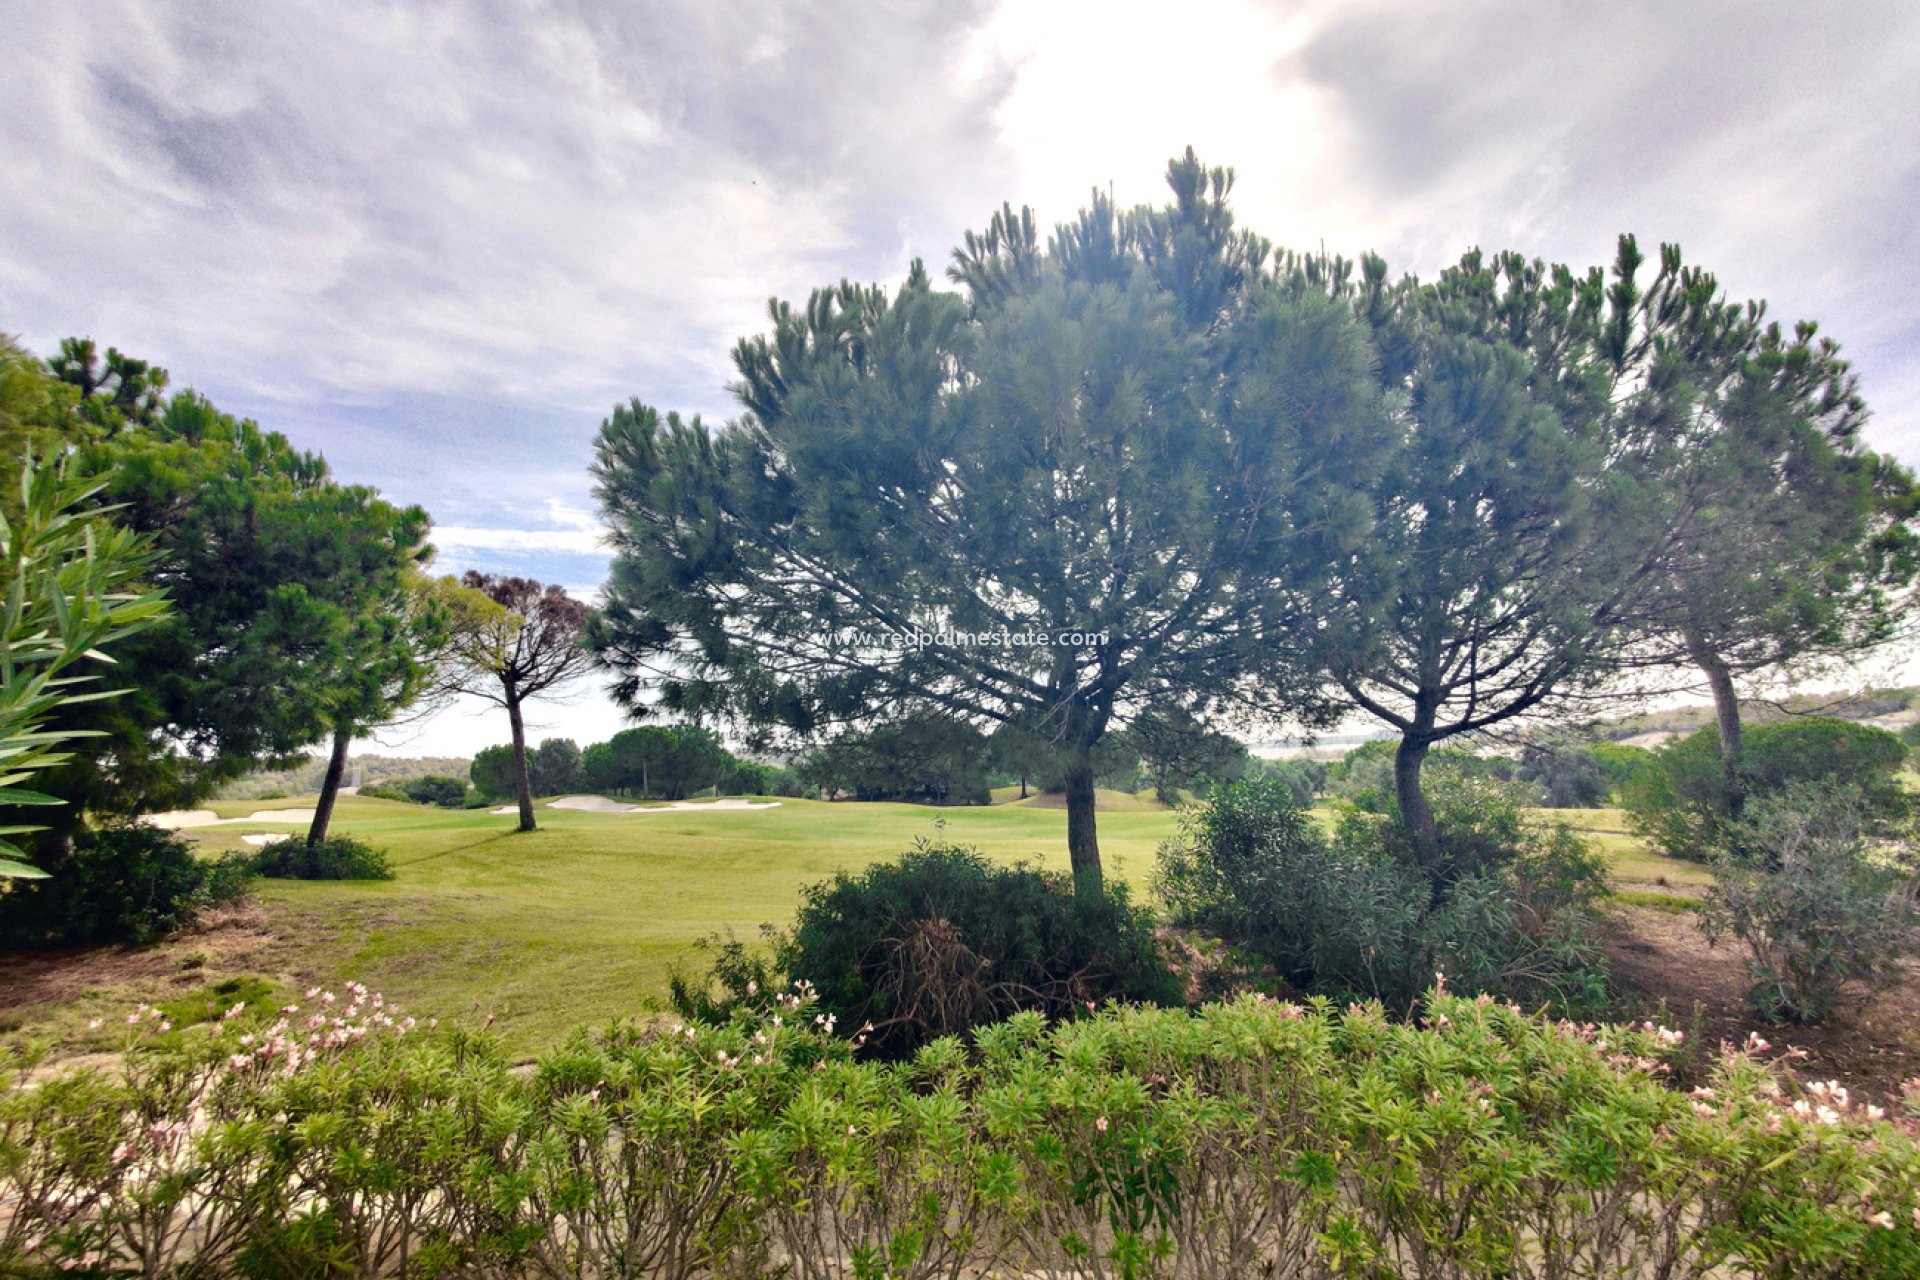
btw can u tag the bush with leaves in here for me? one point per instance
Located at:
(337, 857)
(1306, 779)
(334, 1137)
(125, 883)
(1622, 763)
(942, 940)
(436, 789)
(67, 588)
(736, 977)
(1570, 775)
(1685, 803)
(492, 772)
(1821, 907)
(1364, 778)
(1355, 915)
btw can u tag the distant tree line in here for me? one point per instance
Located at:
(647, 762)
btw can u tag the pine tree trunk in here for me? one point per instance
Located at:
(1726, 714)
(330, 785)
(1023, 786)
(1415, 814)
(522, 786)
(1083, 845)
(1726, 700)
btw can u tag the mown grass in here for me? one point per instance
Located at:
(586, 918)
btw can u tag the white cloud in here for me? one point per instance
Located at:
(459, 539)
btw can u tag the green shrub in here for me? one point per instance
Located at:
(1306, 779)
(125, 883)
(437, 789)
(1682, 802)
(943, 940)
(1364, 779)
(1238, 870)
(1820, 908)
(737, 976)
(748, 778)
(1569, 775)
(1622, 764)
(1355, 916)
(386, 791)
(1248, 1138)
(789, 782)
(335, 858)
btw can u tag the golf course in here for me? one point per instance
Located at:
(586, 918)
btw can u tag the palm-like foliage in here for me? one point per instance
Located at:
(71, 589)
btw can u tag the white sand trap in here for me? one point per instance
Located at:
(600, 804)
(181, 819)
(276, 815)
(589, 804)
(260, 842)
(692, 806)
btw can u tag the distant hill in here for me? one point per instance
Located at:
(362, 771)
(1863, 704)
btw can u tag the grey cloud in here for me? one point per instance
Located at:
(528, 199)
(1773, 141)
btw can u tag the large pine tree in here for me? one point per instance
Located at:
(1124, 451)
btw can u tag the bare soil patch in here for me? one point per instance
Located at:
(229, 937)
(1664, 968)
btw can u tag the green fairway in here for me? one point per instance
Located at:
(585, 918)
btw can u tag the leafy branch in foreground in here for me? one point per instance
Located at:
(69, 590)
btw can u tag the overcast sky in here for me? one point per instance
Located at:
(437, 242)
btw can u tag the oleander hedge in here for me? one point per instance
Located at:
(1249, 1138)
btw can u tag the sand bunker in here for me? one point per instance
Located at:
(702, 806)
(589, 804)
(600, 804)
(181, 819)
